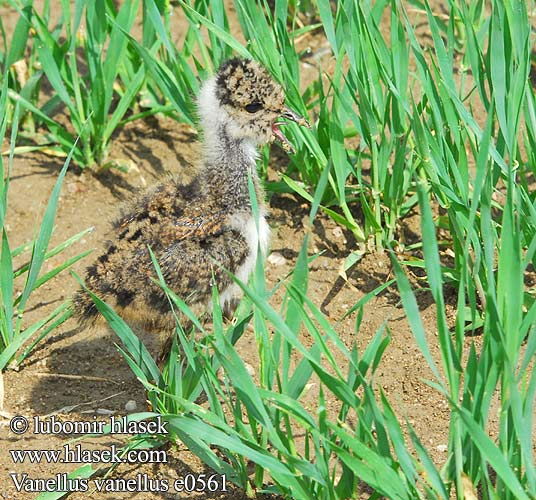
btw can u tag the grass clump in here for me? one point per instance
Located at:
(96, 99)
(260, 432)
(443, 129)
(333, 451)
(14, 335)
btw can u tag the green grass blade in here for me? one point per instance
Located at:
(218, 31)
(135, 348)
(45, 231)
(163, 77)
(22, 337)
(6, 290)
(493, 455)
(412, 313)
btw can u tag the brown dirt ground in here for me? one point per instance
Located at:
(78, 373)
(83, 368)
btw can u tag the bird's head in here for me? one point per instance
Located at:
(250, 101)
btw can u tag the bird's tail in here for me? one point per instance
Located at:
(85, 310)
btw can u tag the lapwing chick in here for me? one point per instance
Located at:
(201, 228)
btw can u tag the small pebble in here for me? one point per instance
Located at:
(442, 447)
(130, 405)
(276, 259)
(249, 369)
(308, 387)
(76, 187)
(337, 232)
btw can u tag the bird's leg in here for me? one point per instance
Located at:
(230, 308)
(165, 351)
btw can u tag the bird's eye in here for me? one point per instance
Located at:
(253, 107)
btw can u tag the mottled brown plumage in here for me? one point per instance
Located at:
(200, 228)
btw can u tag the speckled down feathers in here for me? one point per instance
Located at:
(191, 244)
(198, 229)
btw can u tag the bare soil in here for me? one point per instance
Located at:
(78, 373)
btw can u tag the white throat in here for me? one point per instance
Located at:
(222, 149)
(214, 118)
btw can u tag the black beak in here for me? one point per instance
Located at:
(279, 136)
(295, 117)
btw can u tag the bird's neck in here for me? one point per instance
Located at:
(229, 159)
(228, 164)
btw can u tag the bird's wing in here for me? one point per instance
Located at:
(167, 230)
(169, 213)
(192, 227)
(193, 264)
(151, 205)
